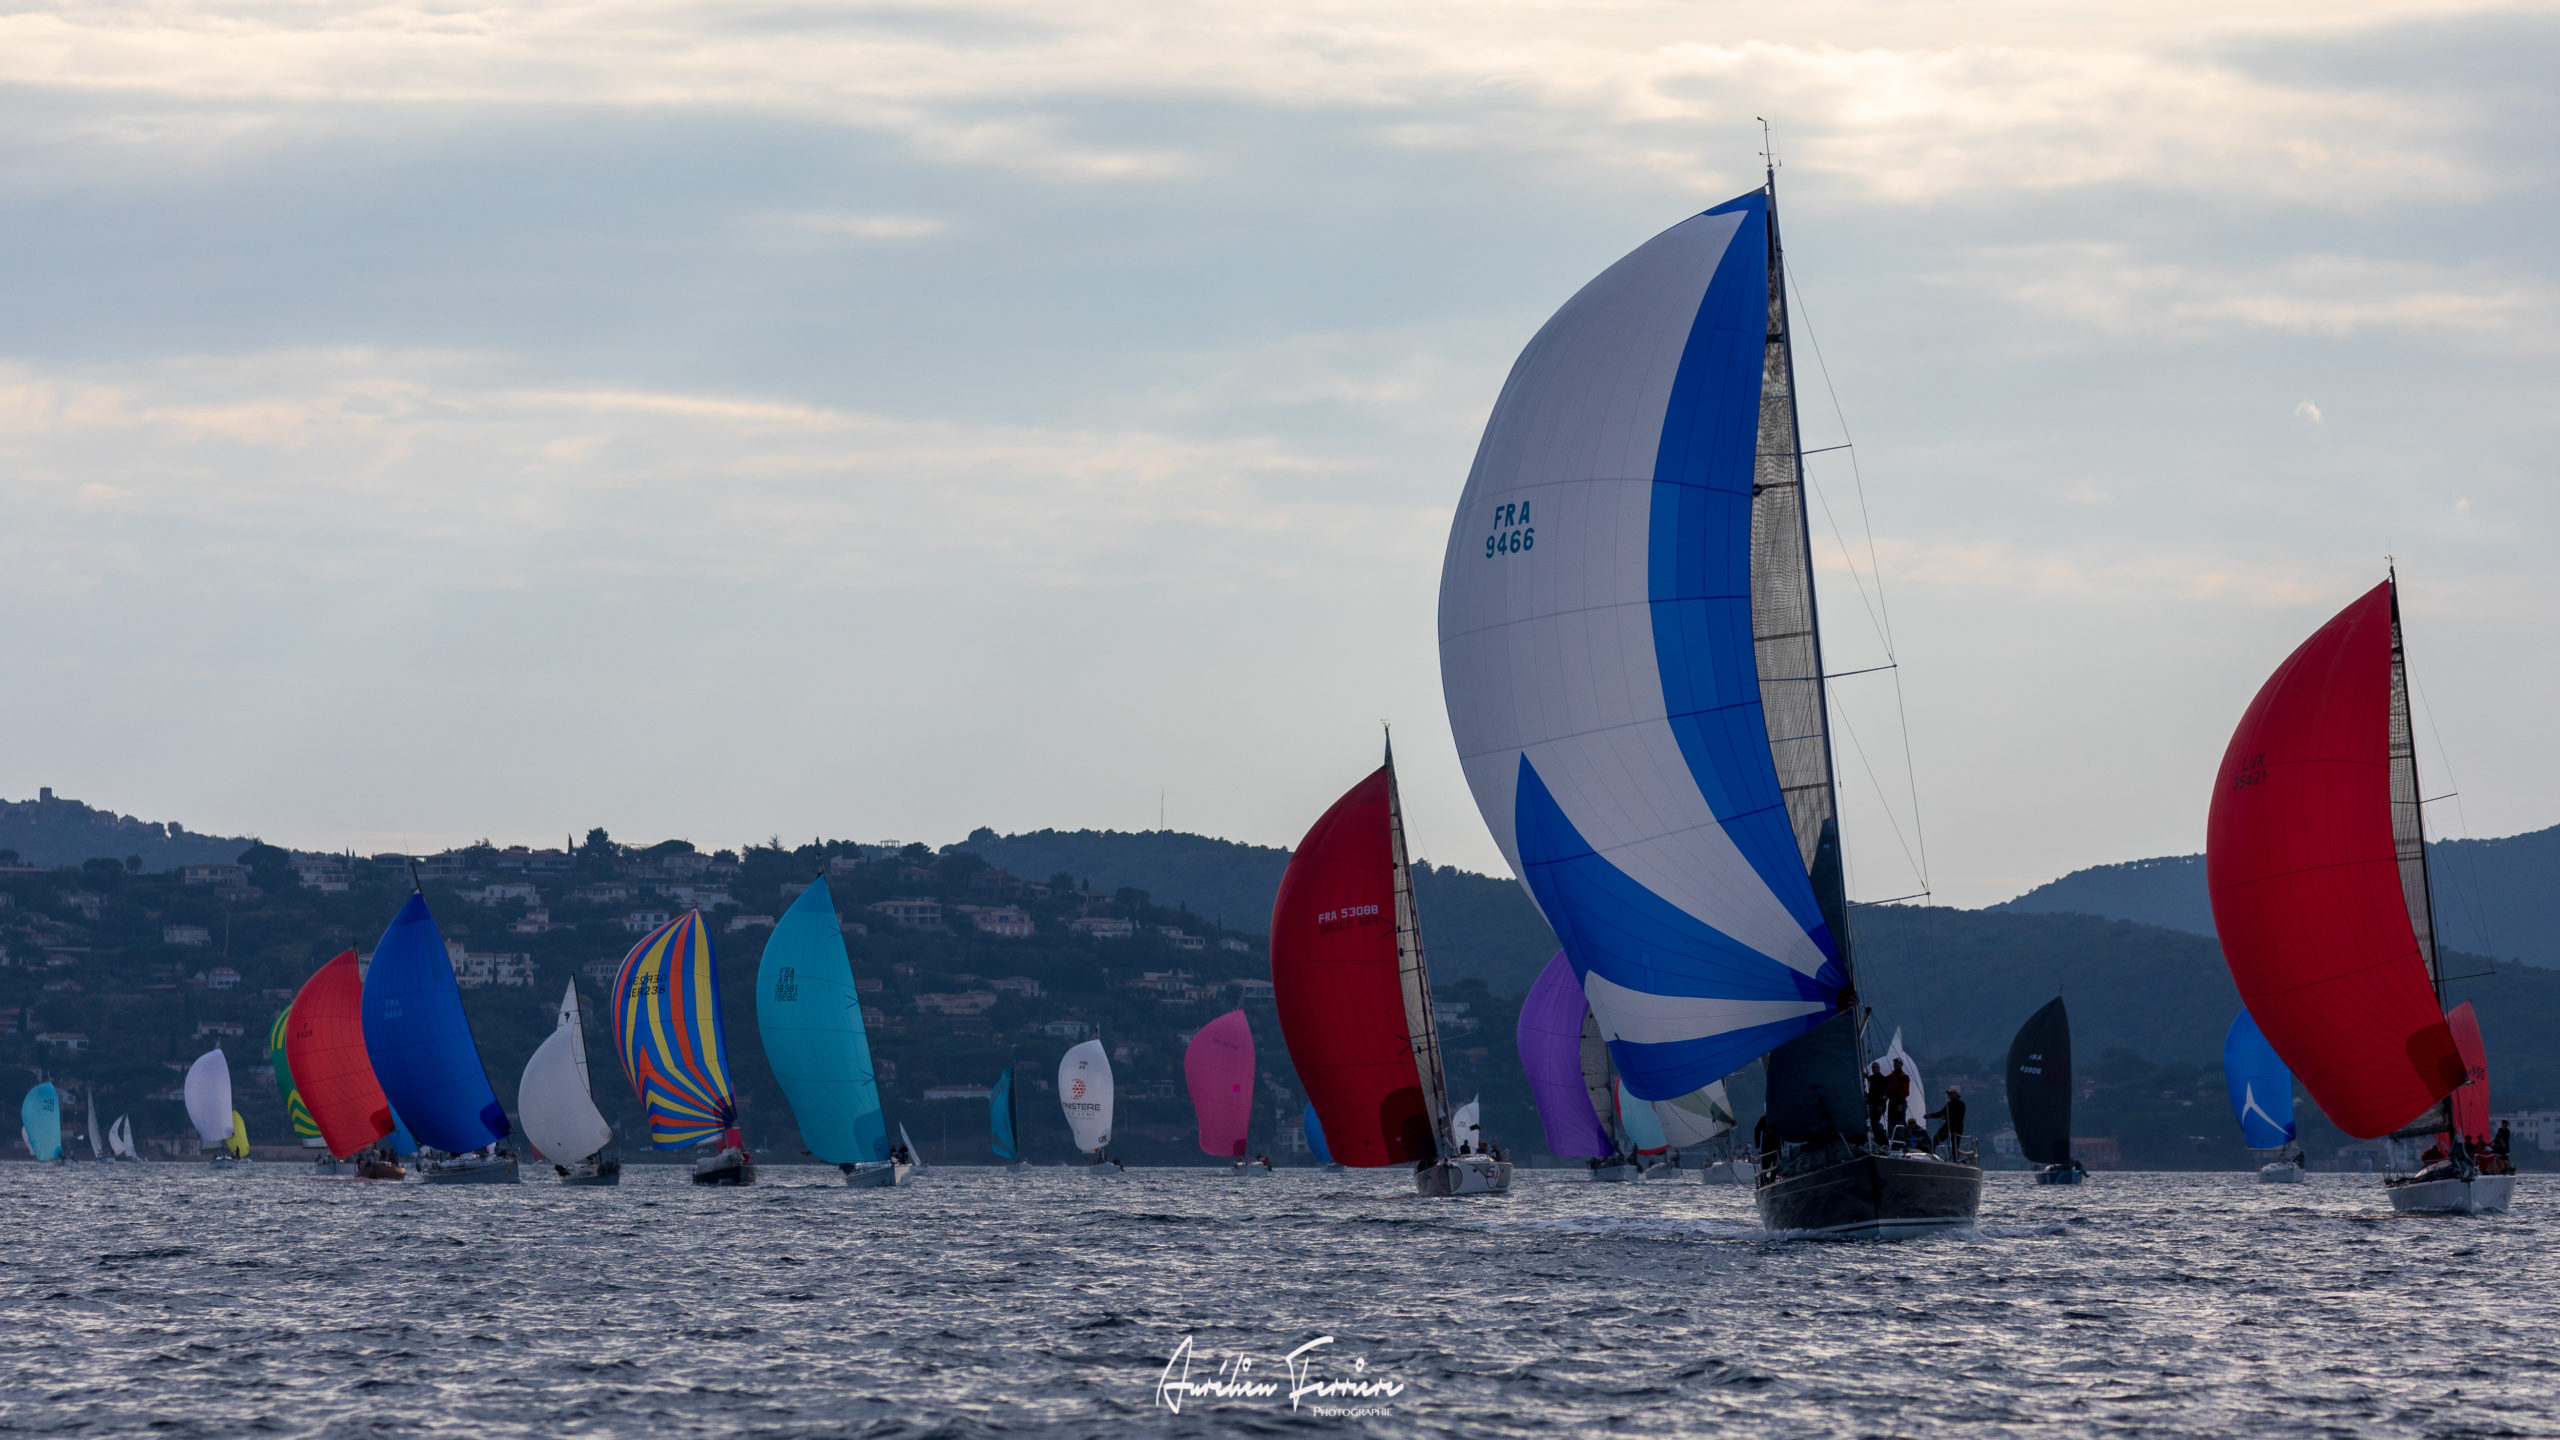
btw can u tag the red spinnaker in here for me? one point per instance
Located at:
(1219, 1069)
(2306, 887)
(324, 1043)
(2471, 1102)
(1333, 975)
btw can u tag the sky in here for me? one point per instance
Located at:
(427, 422)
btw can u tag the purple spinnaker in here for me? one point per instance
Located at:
(1551, 1051)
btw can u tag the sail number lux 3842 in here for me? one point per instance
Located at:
(1512, 532)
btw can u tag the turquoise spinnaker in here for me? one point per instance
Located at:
(1315, 1137)
(420, 1041)
(811, 1020)
(1000, 1117)
(41, 1113)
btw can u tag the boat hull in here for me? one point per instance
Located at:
(1872, 1197)
(1105, 1170)
(1251, 1172)
(500, 1171)
(1730, 1172)
(2285, 1174)
(729, 1167)
(2060, 1175)
(1616, 1174)
(1463, 1175)
(602, 1172)
(2479, 1195)
(876, 1174)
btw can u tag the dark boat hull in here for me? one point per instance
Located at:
(729, 1168)
(1872, 1197)
(2059, 1175)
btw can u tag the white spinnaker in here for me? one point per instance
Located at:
(1084, 1092)
(1550, 652)
(1697, 1117)
(554, 1102)
(1920, 1105)
(209, 1096)
(1465, 1123)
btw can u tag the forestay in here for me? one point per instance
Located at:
(1610, 674)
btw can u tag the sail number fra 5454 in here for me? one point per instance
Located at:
(1512, 532)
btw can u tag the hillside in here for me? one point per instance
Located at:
(47, 831)
(2493, 897)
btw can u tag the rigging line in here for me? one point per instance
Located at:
(1894, 899)
(1840, 537)
(1887, 805)
(2470, 877)
(1870, 670)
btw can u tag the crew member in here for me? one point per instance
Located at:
(1953, 1113)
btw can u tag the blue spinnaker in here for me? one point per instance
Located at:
(41, 1114)
(2261, 1087)
(811, 1021)
(1000, 1117)
(1315, 1138)
(400, 1140)
(420, 1041)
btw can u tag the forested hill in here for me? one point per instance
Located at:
(1477, 927)
(2493, 897)
(49, 831)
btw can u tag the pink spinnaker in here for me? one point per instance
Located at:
(1219, 1067)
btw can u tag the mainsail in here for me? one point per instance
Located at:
(97, 1142)
(208, 1092)
(419, 1039)
(2312, 893)
(40, 1119)
(1000, 1127)
(1218, 1069)
(2040, 1085)
(554, 1099)
(1084, 1092)
(810, 1018)
(297, 1112)
(1550, 1038)
(2260, 1085)
(325, 1045)
(120, 1139)
(666, 1028)
(1337, 980)
(1629, 654)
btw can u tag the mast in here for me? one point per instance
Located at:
(1413, 973)
(2408, 808)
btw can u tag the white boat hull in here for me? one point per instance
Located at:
(2479, 1195)
(1730, 1172)
(1252, 1172)
(1616, 1174)
(1105, 1170)
(1464, 1175)
(877, 1174)
(474, 1170)
(2282, 1173)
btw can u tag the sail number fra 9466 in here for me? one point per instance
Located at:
(1512, 532)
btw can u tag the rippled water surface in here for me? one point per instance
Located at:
(173, 1300)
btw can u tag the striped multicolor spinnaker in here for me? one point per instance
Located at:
(666, 1028)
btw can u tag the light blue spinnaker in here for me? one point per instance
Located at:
(1315, 1137)
(420, 1041)
(1000, 1117)
(41, 1114)
(811, 1021)
(1643, 1127)
(2261, 1087)
(1627, 651)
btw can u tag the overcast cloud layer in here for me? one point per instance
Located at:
(719, 420)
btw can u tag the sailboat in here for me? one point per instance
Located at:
(810, 1018)
(120, 1140)
(1085, 1093)
(1313, 1126)
(1217, 1067)
(324, 1045)
(1004, 1128)
(1570, 1081)
(40, 1122)
(97, 1141)
(297, 1114)
(2261, 1100)
(558, 1106)
(1631, 655)
(666, 1029)
(419, 1043)
(2039, 1074)
(1354, 994)
(2316, 857)
(208, 1092)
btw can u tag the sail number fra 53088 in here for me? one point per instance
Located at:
(1512, 532)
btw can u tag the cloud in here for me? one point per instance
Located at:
(2305, 410)
(856, 227)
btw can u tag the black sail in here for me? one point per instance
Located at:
(2040, 1085)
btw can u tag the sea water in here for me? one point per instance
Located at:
(173, 1299)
